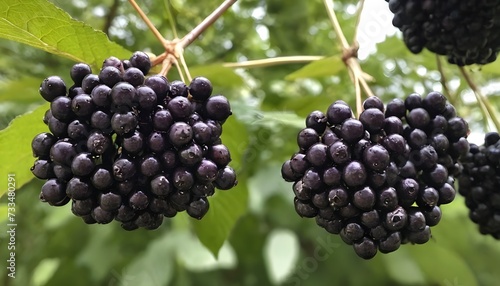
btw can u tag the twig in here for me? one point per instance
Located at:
(444, 82)
(359, 104)
(185, 67)
(349, 52)
(353, 64)
(111, 16)
(358, 19)
(273, 62)
(166, 44)
(170, 18)
(166, 64)
(483, 101)
(336, 24)
(158, 59)
(209, 20)
(179, 70)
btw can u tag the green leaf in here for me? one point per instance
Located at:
(402, 268)
(15, 147)
(283, 118)
(41, 24)
(491, 68)
(44, 271)
(453, 269)
(218, 75)
(281, 253)
(265, 183)
(99, 253)
(320, 68)
(3, 213)
(226, 207)
(23, 90)
(155, 266)
(197, 258)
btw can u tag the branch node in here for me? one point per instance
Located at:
(350, 52)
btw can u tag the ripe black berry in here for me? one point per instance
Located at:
(131, 148)
(438, 26)
(52, 87)
(378, 181)
(141, 61)
(200, 88)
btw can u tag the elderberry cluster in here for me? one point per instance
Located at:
(378, 181)
(463, 30)
(129, 148)
(479, 183)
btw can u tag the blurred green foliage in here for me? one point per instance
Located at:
(267, 243)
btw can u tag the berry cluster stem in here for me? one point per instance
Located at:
(150, 25)
(358, 18)
(170, 18)
(176, 47)
(207, 22)
(483, 101)
(444, 82)
(350, 56)
(273, 61)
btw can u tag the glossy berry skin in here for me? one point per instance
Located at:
(82, 106)
(337, 113)
(83, 164)
(198, 208)
(379, 181)
(316, 120)
(179, 107)
(478, 184)
(134, 76)
(53, 191)
(200, 88)
(160, 85)
(41, 144)
(217, 108)
(43, 169)
(123, 96)
(52, 87)
(124, 169)
(62, 152)
(146, 97)
(130, 147)
(78, 72)
(98, 143)
(61, 108)
(141, 61)
(110, 76)
(89, 82)
(435, 27)
(226, 179)
(180, 133)
(123, 123)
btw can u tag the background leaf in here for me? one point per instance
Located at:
(44, 271)
(319, 68)
(452, 268)
(41, 24)
(281, 252)
(15, 147)
(218, 75)
(23, 90)
(226, 207)
(154, 267)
